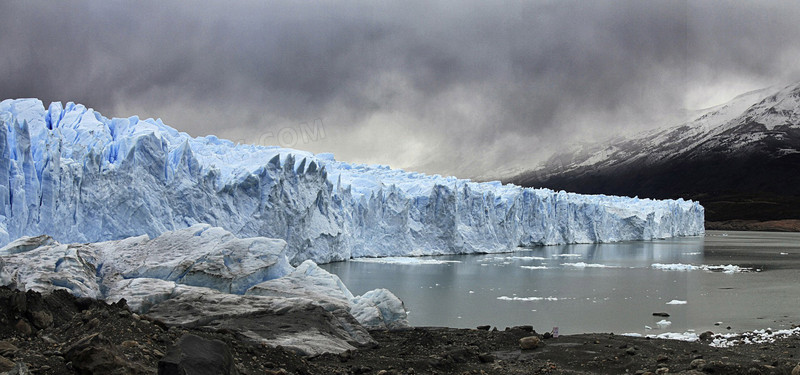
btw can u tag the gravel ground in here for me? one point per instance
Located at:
(59, 334)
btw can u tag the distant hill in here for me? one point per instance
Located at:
(741, 160)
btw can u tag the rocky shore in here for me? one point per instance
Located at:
(61, 334)
(753, 225)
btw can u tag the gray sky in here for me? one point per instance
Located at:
(470, 88)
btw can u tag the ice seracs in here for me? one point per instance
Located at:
(68, 172)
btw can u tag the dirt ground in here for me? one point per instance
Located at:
(59, 334)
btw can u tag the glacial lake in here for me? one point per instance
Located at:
(601, 287)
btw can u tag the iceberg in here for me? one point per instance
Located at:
(70, 173)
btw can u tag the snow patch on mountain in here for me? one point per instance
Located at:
(747, 119)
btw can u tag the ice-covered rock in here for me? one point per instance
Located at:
(70, 173)
(295, 323)
(199, 255)
(378, 308)
(197, 276)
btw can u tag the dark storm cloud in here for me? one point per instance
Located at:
(448, 87)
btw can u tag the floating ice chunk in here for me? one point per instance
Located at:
(403, 260)
(674, 267)
(524, 258)
(586, 265)
(567, 255)
(663, 323)
(535, 267)
(506, 298)
(676, 302)
(729, 269)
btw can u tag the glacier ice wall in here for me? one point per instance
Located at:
(75, 175)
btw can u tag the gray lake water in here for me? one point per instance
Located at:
(600, 287)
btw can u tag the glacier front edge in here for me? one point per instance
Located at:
(69, 172)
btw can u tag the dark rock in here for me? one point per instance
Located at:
(93, 323)
(345, 356)
(23, 327)
(661, 314)
(547, 335)
(719, 367)
(94, 354)
(41, 319)
(630, 351)
(7, 349)
(526, 328)
(20, 368)
(485, 358)
(662, 358)
(6, 364)
(698, 364)
(83, 303)
(460, 355)
(528, 343)
(193, 354)
(706, 336)
(484, 328)
(19, 302)
(122, 303)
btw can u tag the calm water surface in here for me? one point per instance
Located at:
(601, 287)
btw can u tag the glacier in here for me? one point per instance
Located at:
(70, 173)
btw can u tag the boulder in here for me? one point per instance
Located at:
(194, 355)
(529, 343)
(41, 319)
(7, 349)
(94, 354)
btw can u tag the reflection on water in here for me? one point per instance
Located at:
(599, 287)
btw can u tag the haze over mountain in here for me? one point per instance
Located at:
(739, 159)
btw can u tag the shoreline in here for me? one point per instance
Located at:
(61, 334)
(754, 225)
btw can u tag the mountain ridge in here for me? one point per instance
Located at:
(738, 159)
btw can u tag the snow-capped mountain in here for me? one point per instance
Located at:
(748, 147)
(77, 176)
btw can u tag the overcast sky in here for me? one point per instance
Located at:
(471, 88)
